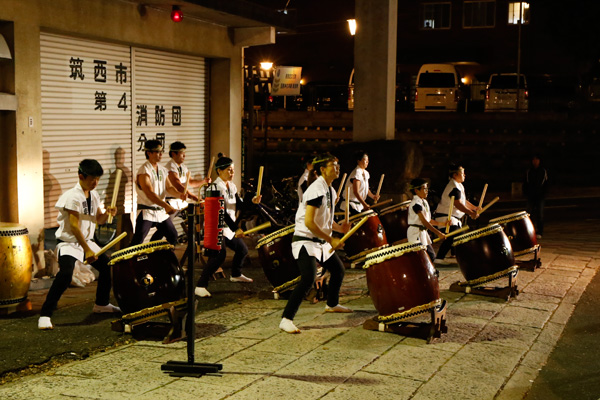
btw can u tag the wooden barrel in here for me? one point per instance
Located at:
(15, 263)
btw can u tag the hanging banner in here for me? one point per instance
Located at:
(286, 81)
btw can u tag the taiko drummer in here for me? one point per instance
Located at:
(419, 217)
(358, 181)
(312, 241)
(460, 207)
(78, 213)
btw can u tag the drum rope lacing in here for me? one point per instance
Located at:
(509, 218)
(286, 286)
(391, 252)
(145, 248)
(147, 313)
(489, 230)
(490, 278)
(366, 253)
(527, 251)
(411, 313)
(272, 236)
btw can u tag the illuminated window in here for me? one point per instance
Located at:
(515, 12)
(436, 16)
(479, 14)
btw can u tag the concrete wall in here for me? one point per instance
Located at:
(112, 21)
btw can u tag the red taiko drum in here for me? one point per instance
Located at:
(401, 281)
(369, 237)
(395, 221)
(146, 275)
(275, 255)
(520, 231)
(483, 252)
(15, 264)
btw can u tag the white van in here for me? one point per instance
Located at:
(501, 93)
(438, 88)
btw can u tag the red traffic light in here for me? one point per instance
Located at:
(176, 14)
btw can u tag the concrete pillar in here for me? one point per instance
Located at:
(375, 69)
(226, 111)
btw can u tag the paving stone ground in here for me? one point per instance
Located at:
(494, 349)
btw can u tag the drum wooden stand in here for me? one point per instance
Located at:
(533, 264)
(422, 330)
(476, 286)
(190, 368)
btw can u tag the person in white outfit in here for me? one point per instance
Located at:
(419, 217)
(78, 213)
(232, 233)
(461, 206)
(312, 242)
(358, 181)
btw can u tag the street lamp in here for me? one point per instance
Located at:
(266, 66)
(352, 26)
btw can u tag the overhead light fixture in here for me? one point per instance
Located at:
(352, 26)
(176, 14)
(266, 65)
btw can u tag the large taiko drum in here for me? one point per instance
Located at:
(275, 255)
(484, 253)
(15, 263)
(146, 275)
(395, 221)
(520, 231)
(369, 237)
(402, 282)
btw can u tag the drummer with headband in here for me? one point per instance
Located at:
(312, 241)
(232, 233)
(358, 181)
(178, 172)
(151, 185)
(461, 206)
(419, 217)
(78, 213)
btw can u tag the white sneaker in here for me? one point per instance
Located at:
(442, 261)
(109, 308)
(339, 308)
(202, 292)
(44, 323)
(287, 325)
(241, 278)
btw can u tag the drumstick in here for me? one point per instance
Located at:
(210, 168)
(187, 182)
(456, 232)
(482, 195)
(382, 203)
(380, 183)
(450, 213)
(113, 203)
(260, 176)
(339, 191)
(111, 244)
(258, 228)
(489, 204)
(350, 232)
(348, 205)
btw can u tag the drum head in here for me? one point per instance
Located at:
(144, 248)
(358, 217)
(272, 236)
(394, 208)
(11, 229)
(509, 218)
(488, 230)
(379, 256)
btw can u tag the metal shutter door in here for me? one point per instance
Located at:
(74, 125)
